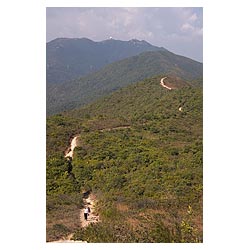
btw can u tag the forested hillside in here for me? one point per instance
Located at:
(140, 154)
(70, 58)
(114, 76)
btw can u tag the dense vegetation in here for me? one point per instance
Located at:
(70, 58)
(140, 156)
(69, 95)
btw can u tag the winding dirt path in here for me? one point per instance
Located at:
(169, 88)
(93, 217)
(89, 201)
(68, 240)
(163, 84)
(69, 152)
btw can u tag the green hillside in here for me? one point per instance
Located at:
(70, 58)
(76, 93)
(142, 159)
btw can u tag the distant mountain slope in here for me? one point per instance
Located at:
(117, 75)
(69, 58)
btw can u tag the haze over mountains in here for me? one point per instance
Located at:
(71, 58)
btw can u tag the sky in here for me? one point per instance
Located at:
(179, 30)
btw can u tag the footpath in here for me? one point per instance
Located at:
(88, 200)
(163, 84)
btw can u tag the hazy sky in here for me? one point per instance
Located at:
(179, 30)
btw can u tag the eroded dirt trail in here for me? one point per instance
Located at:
(93, 217)
(169, 88)
(68, 240)
(73, 144)
(89, 201)
(163, 84)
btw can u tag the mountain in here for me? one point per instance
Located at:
(70, 58)
(139, 155)
(111, 77)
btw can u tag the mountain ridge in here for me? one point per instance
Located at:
(70, 58)
(113, 76)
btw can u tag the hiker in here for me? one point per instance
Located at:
(89, 210)
(86, 213)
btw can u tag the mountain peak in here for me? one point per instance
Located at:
(69, 58)
(131, 41)
(136, 41)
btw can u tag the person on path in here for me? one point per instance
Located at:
(86, 213)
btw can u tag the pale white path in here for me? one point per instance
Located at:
(68, 240)
(72, 147)
(92, 217)
(163, 84)
(90, 201)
